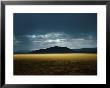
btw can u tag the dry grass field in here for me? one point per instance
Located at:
(55, 64)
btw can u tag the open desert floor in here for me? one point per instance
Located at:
(55, 64)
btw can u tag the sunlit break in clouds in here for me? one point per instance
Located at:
(43, 30)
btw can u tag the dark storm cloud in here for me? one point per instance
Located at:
(35, 31)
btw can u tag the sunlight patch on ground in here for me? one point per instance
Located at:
(69, 56)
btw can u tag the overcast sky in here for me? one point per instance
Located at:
(42, 30)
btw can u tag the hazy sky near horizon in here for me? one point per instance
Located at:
(42, 30)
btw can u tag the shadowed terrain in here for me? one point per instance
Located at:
(55, 64)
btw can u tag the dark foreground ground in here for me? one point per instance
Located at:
(55, 67)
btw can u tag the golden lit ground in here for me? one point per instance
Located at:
(69, 56)
(55, 64)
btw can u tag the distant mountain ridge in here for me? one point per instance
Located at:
(57, 49)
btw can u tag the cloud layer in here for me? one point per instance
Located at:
(55, 39)
(43, 30)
